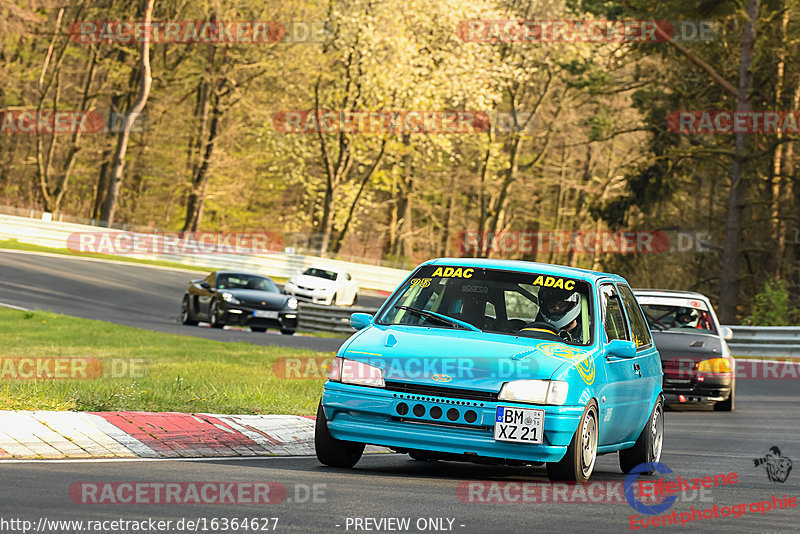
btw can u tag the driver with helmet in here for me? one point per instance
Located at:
(561, 308)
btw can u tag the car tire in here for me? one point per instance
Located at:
(648, 446)
(334, 299)
(355, 300)
(186, 312)
(331, 451)
(213, 317)
(728, 404)
(286, 332)
(579, 461)
(258, 328)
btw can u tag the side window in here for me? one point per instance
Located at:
(518, 306)
(613, 316)
(641, 332)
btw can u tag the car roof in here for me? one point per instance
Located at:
(248, 273)
(669, 293)
(527, 266)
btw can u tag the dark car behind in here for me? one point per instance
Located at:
(238, 298)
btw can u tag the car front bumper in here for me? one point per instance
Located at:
(243, 316)
(370, 415)
(707, 391)
(314, 296)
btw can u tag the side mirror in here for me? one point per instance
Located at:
(621, 348)
(205, 285)
(360, 320)
(727, 332)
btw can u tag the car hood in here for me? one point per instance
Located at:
(457, 358)
(313, 282)
(255, 297)
(687, 346)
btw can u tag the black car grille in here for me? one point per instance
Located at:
(255, 303)
(437, 391)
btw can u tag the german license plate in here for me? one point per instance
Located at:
(265, 314)
(519, 425)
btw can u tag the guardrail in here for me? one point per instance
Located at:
(770, 341)
(54, 234)
(321, 318)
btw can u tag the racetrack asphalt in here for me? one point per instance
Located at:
(698, 442)
(128, 294)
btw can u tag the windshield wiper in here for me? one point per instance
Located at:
(439, 317)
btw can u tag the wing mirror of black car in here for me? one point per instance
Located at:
(621, 348)
(360, 321)
(205, 285)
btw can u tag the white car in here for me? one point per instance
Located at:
(323, 286)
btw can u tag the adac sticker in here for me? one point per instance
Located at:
(583, 361)
(554, 281)
(454, 272)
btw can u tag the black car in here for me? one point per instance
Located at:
(237, 298)
(697, 364)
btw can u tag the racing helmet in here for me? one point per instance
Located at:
(568, 311)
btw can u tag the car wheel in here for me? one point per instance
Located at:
(728, 404)
(214, 317)
(355, 300)
(648, 446)
(186, 314)
(578, 463)
(331, 451)
(286, 332)
(258, 328)
(334, 299)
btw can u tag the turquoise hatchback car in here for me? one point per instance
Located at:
(496, 361)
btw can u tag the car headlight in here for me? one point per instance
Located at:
(291, 303)
(714, 365)
(353, 372)
(553, 392)
(228, 297)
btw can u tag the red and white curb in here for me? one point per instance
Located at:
(50, 435)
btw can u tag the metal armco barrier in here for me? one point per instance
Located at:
(54, 234)
(769, 341)
(320, 318)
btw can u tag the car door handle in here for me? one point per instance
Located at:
(637, 369)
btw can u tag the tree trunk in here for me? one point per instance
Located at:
(729, 282)
(118, 163)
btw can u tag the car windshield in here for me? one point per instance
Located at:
(320, 273)
(505, 302)
(246, 281)
(678, 314)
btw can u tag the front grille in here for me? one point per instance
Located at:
(438, 391)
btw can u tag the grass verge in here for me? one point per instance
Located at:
(142, 370)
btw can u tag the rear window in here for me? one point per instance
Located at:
(677, 314)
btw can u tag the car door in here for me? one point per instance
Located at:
(647, 359)
(204, 295)
(620, 393)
